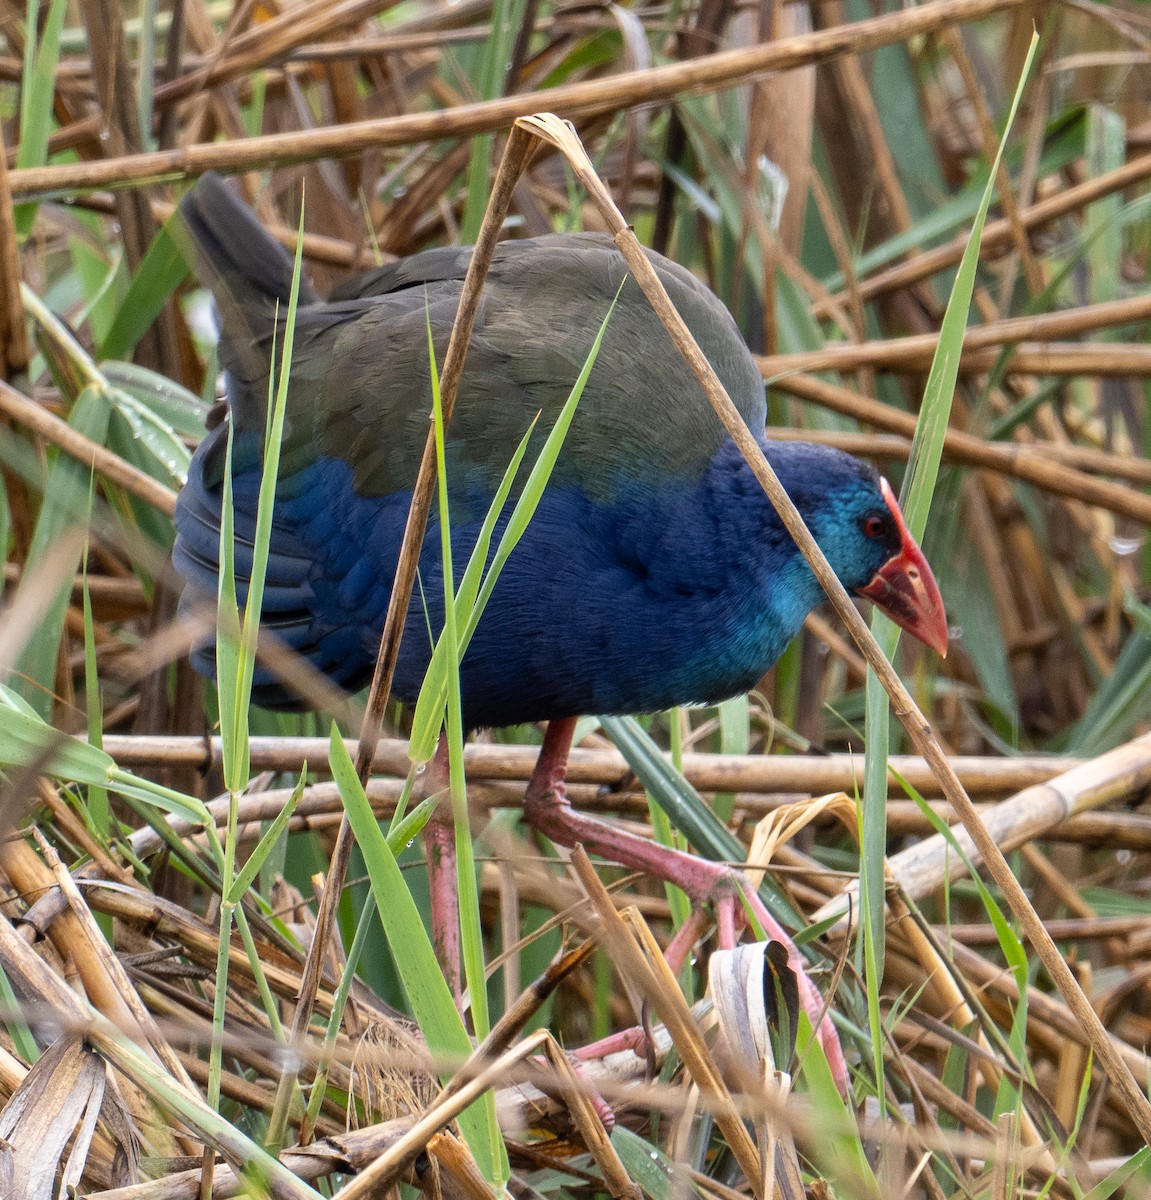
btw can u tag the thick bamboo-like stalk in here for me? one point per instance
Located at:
(812, 775)
(1127, 467)
(710, 73)
(924, 867)
(913, 355)
(893, 353)
(320, 807)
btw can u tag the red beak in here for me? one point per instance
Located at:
(905, 589)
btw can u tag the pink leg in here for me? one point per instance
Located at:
(440, 847)
(547, 809)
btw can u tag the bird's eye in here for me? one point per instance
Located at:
(873, 526)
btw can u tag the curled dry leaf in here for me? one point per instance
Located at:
(57, 1103)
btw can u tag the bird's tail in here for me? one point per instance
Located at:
(250, 277)
(233, 253)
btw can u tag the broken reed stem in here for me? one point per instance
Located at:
(1113, 360)
(563, 138)
(710, 73)
(922, 868)
(321, 808)
(515, 156)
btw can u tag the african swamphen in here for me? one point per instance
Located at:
(655, 571)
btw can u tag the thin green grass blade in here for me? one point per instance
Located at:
(1136, 1168)
(506, 19)
(102, 274)
(27, 739)
(234, 730)
(839, 1151)
(228, 626)
(428, 718)
(99, 812)
(471, 929)
(268, 839)
(734, 738)
(915, 500)
(37, 96)
(1014, 952)
(664, 835)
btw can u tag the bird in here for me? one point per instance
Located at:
(654, 572)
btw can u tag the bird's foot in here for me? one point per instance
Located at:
(722, 887)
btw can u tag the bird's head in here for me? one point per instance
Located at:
(861, 529)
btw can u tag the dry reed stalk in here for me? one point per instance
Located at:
(317, 247)
(894, 354)
(1067, 929)
(105, 981)
(270, 41)
(1009, 458)
(1025, 462)
(320, 809)
(711, 73)
(604, 768)
(13, 332)
(59, 433)
(1104, 780)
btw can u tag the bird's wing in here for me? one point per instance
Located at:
(361, 373)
